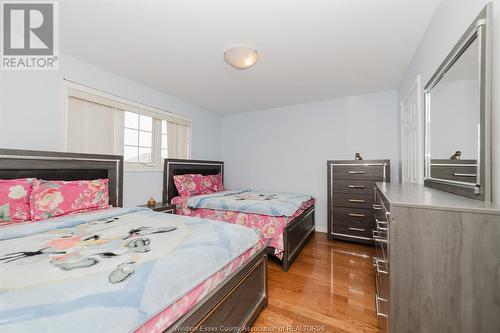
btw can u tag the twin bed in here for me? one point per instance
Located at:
(131, 269)
(123, 270)
(286, 235)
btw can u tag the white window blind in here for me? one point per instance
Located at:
(92, 127)
(178, 140)
(100, 123)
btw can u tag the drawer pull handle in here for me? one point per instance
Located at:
(377, 299)
(376, 263)
(357, 215)
(376, 237)
(357, 200)
(356, 186)
(377, 207)
(356, 229)
(464, 174)
(381, 225)
(357, 172)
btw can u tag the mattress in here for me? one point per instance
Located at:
(183, 305)
(118, 270)
(269, 228)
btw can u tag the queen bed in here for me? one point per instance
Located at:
(122, 269)
(285, 227)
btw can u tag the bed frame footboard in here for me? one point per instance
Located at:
(234, 305)
(296, 235)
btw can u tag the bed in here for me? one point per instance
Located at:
(110, 294)
(296, 230)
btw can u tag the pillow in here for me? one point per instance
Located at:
(213, 183)
(55, 198)
(190, 184)
(14, 199)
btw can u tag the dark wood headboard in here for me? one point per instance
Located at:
(173, 167)
(64, 166)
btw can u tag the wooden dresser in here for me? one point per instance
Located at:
(350, 198)
(437, 262)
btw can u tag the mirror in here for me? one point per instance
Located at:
(458, 107)
(454, 121)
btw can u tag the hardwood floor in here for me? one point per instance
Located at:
(329, 288)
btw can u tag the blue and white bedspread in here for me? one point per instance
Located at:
(246, 201)
(107, 271)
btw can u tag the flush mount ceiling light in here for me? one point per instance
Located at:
(241, 57)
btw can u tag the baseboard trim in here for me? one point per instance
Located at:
(320, 228)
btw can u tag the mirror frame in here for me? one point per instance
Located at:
(480, 29)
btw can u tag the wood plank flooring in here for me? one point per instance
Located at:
(329, 288)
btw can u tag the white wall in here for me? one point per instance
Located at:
(453, 105)
(286, 149)
(450, 21)
(31, 115)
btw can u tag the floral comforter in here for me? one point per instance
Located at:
(253, 202)
(269, 228)
(108, 271)
(169, 315)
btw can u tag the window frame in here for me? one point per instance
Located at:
(73, 89)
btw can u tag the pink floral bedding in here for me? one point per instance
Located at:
(169, 315)
(195, 184)
(14, 200)
(51, 198)
(269, 228)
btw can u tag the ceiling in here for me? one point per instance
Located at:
(310, 50)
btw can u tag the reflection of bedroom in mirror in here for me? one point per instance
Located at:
(454, 122)
(457, 102)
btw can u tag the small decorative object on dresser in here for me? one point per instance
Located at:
(456, 156)
(161, 207)
(358, 157)
(350, 198)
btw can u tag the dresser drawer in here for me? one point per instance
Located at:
(381, 249)
(381, 269)
(467, 174)
(380, 211)
(363, 224)
(382, 294)
(353, 200)
(354, 215)
(353, 186)
(358, 172)
(353, 229)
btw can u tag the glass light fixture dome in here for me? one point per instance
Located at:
(241, 57)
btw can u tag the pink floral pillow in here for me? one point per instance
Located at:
(14, 199)
(213, 183)
(55, 198)
(195, 184)
(190, 184)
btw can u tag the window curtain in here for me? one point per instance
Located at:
(178, 140)
(92, 127)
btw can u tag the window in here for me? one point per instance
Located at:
(138, 138)
(101, 123)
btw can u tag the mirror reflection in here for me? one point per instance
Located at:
(454, 119)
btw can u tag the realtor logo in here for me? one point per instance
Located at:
(29, 36)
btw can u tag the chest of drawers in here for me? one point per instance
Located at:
(436, 262)
(350, 198)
